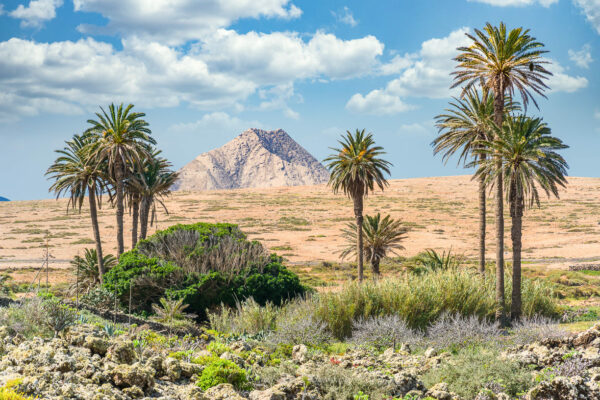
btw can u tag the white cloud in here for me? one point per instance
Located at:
(582, 58)
(591, 9)
(345, 16)
(518, 3)
(222, 72)
(178, 21)
(422, 74)
(1, 9)
(377, 102)
(277, 97)
(418, 128)
(215, 123)
(36, 13)
(561, 82)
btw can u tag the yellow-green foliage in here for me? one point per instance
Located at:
(9, 394)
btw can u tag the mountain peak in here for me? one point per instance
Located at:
(255, 158)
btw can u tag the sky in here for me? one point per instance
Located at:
(203, 71)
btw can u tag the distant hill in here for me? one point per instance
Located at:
(256, 158)
(3, 199)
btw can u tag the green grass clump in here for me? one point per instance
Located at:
(219, 371)
(8, 394)
(473, 369)
(420, 299)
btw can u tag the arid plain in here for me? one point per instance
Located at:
(303, 223)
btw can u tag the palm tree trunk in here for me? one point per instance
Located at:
(516, 236)
(144, 212)
(375, 267)
(482, 222)
(358, 213)
(119, 173)
(135, 218)
(500, 300)
(96, 229)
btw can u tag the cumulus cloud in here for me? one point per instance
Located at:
(518, 3)
(591, 9)
(220, 73)
(345, 17)
(176, 22)
(422, 74)
(560, 81)
(36, 13)
(215, 123)
(582, 58)
(417, 128)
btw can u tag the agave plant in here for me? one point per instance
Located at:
(169, 310)
(88, 275)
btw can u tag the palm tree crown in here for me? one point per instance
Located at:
(503, 61)
(382, 238)
(529, 158)
(357, 168)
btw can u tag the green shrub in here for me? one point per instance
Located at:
(247, 318)
(206, 265)
(421, 299)
(222, 371)
(474, 368)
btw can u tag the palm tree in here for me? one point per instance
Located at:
(465, 123)
(528, 159)
(87, 269)
(76, 174)
(381, 237)
(150, 183)
(121, 136)
(505, 63)
(355, 169)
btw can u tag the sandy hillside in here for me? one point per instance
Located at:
(303, 223)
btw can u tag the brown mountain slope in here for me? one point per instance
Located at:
(256, 158)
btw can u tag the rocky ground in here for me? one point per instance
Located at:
(87, 363)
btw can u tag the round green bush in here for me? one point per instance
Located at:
(222, 371)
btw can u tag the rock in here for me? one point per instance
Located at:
(487, 394)
(587, 337)
(96, 345)
(269, 394)
(234, 358)
(300, 353)
(224, 391)
(134, 392)
(406, 382)
(562, 388)
(121, 352)
(441, 391)
(240, 346)
(172, 368)
(125, 375)
(156, 363)
(188, 370)
(430, 352)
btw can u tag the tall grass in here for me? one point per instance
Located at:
(422, 299)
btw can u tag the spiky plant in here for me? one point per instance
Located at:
(86, 268)
(505, 62)
(382, 237)
(356, 168)
(169, 310)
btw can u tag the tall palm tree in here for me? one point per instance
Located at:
(464, 124)
(382, 236)
(151, 183)
(76, 174)
(355, 169)
(528, 159)
(504, 62)
(122, 135)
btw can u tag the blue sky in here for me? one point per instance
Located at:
(203, 71)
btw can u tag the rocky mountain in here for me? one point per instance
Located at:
(256, 158)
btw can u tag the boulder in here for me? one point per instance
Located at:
(121, 352)
(125, 375)
(300, 353)
(224, 391)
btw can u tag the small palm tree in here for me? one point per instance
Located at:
(87, 269)
(355, 169)
(505, 63)
(528, 160)
(382, 237)
(76, 174)
(464, 124)
(149, 185)
(169, 310)
(122, 137)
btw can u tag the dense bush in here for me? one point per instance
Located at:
(422, 299)
(218, 370)
(206, 265)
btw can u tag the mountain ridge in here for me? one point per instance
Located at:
(255, 158)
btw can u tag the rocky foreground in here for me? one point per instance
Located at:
(87, 363)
